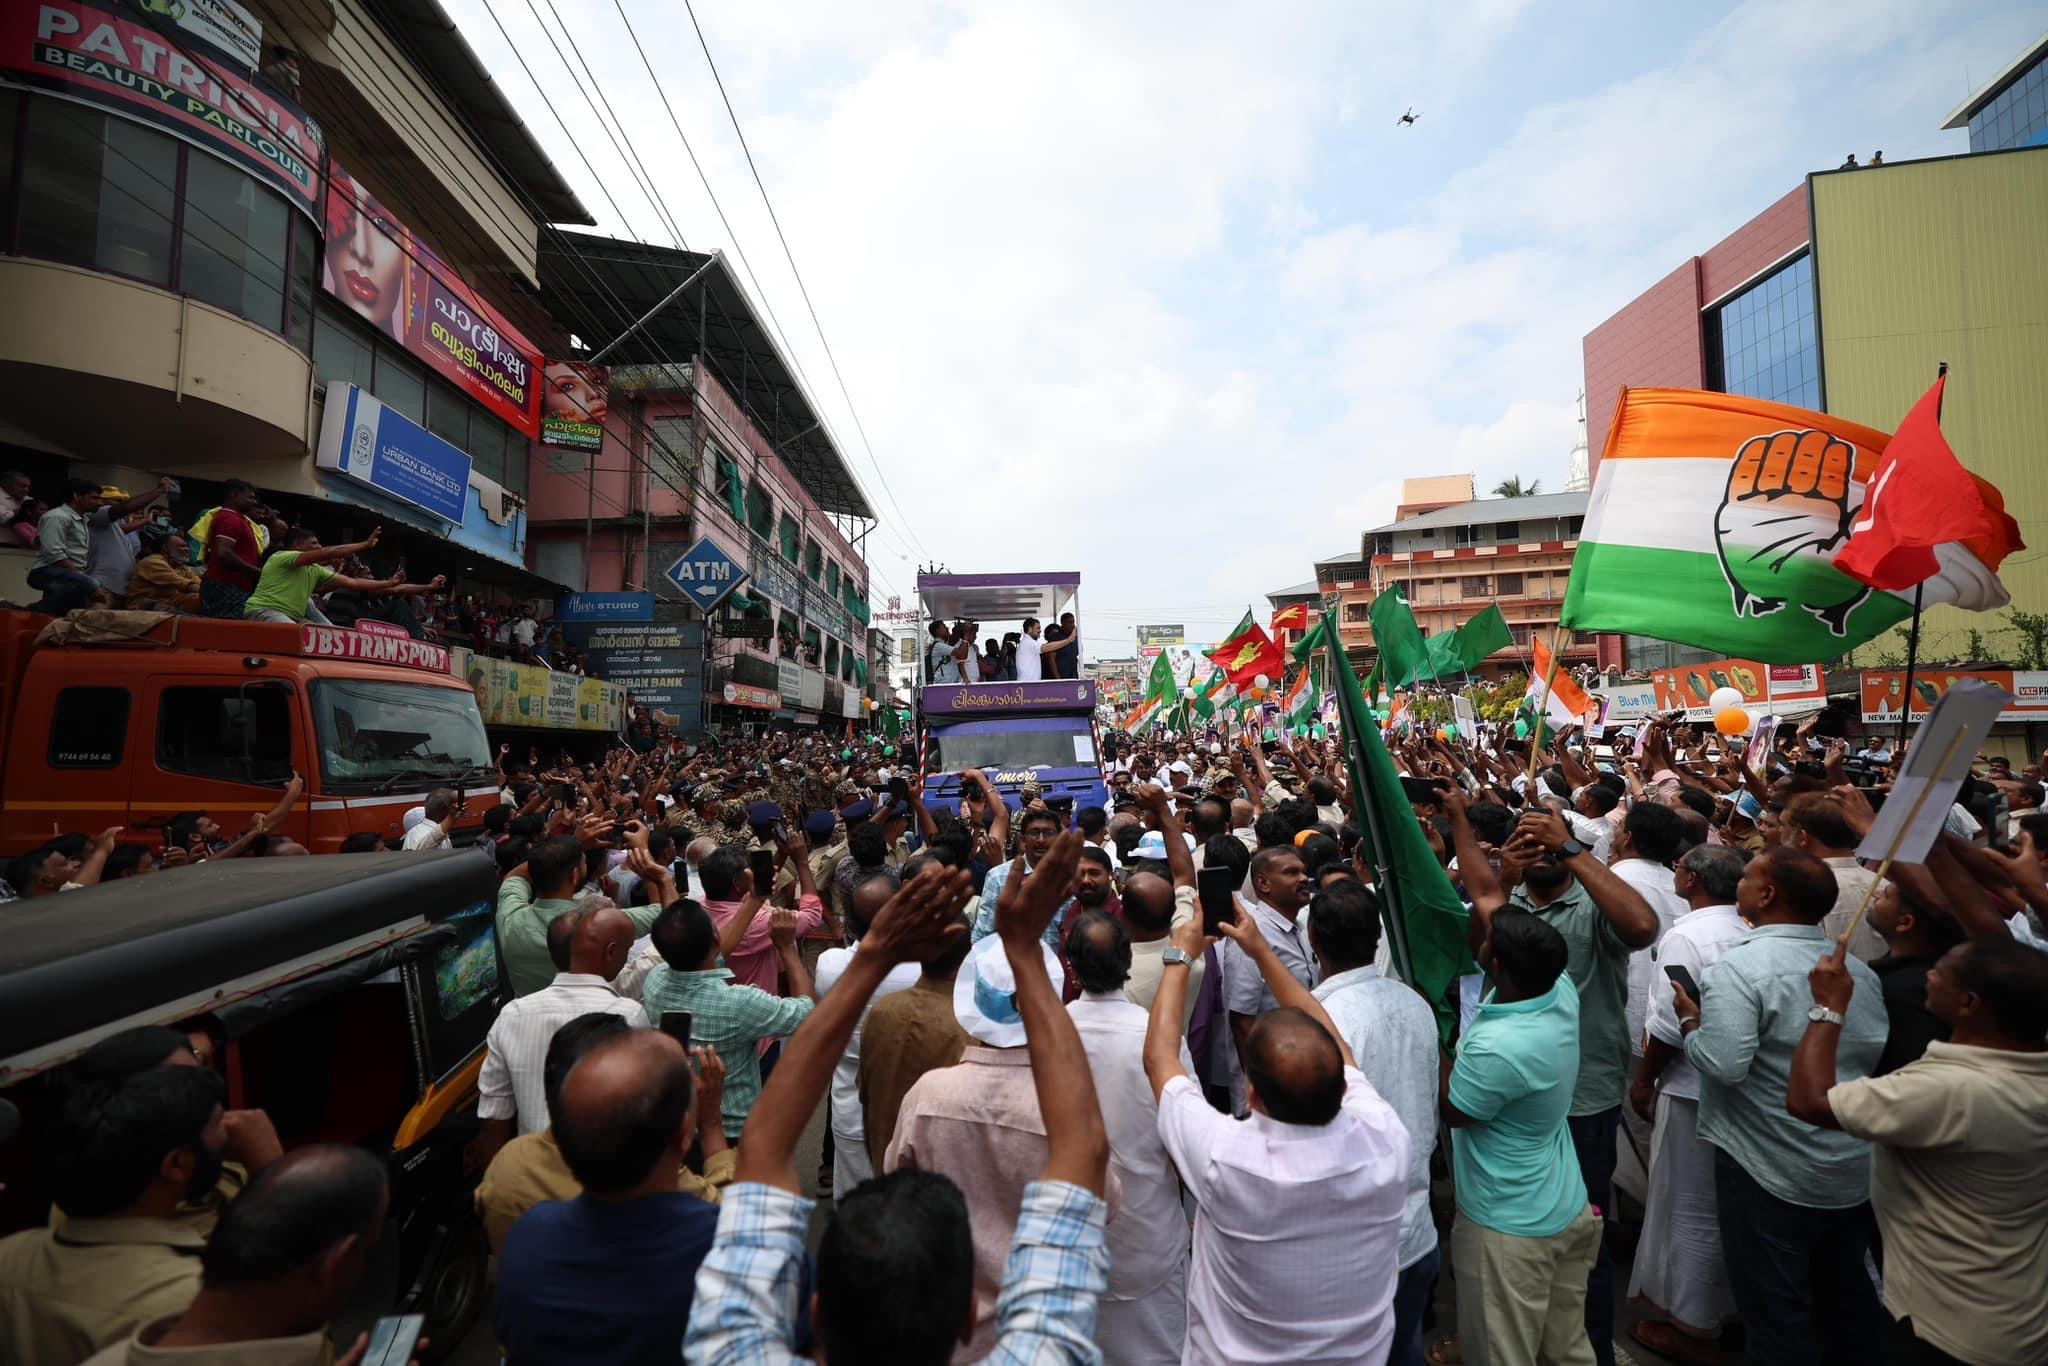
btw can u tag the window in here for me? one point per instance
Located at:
(1510, 585)
(235, 242)
(832, 578)
(760, 510)
(1357, 612)
(1762, 342)
(488, 443)
(1507, 532)
(89, 728)
(373, 733)
(831, 656)
(1479, 586)
(814, 561)
(98, 191)
(814, 644)
(402, 383)
(342, 351)
(305, 261)
(790, 538)
(1572, 525)
(448, 414)
(235, 735)
(669, 437)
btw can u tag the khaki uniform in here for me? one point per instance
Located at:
(66, 1294)
(307, 1349)
(531, 1169)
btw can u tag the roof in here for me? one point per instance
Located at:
(430, 37)
(1530, 509)
(997, 597)
(82, 964)
(1311, 589)
(597, 286)
(1341, 557)
(1996, 86)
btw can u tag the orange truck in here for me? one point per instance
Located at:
(128, 719)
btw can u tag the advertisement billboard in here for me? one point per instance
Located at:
(1160, 635)
(382, 271)
(1764, 687)
(575, 399)
(158, 74)
(1884, 691)
(385, 450)
(527, 695)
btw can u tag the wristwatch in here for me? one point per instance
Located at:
(1570, 849)
(1175, 956)
(1822, 1015)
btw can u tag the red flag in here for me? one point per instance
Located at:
(1293, 618)
(1248, 654)
(1921, 497)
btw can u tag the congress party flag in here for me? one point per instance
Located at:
(1715, 521)
(1554, 694)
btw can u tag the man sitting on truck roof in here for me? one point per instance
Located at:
(64, 549)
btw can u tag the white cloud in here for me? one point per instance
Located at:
(1175, 303)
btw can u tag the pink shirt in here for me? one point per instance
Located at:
(753, 963)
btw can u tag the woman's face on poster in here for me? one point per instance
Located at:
(568, 394)
(365, 259)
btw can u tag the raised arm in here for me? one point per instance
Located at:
(1288, 992)
(335, 554)
(1635, 924)
(1165, 1028)
(1475, 870)
(1179, 862)
(1077, 1140)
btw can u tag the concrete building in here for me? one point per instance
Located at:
(708, 432)
(1845, 295)
(187, 280)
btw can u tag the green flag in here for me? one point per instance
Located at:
(1445, 660)
(1425, 919)
(1403, 655)
(1481, 636)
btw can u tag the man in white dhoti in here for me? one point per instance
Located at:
(1678, 1268)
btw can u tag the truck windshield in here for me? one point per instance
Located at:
(374, 732)
(1069, 745)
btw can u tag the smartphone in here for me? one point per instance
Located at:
(1216, 888)
(681, 867)
(676, 1024)
(1675, 971)
(1419, 791)
(762, 861)
(899, 788)
(393, 1338)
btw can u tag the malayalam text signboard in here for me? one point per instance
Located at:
(661, 666)
(574, 403)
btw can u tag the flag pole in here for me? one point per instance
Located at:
(1543, 699)
(1913, 633)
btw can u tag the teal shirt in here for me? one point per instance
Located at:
(522, 925)
(1598, 967)
(1752, 1016)
(733, 1019)
(1515, 1169)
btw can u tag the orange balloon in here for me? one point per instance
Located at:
(1733, 721)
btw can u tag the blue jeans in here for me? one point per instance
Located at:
(1794, 1269)
(1593, 1138)
(63, 590)
(1411, 1301)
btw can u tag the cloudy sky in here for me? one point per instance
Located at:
(1161, 293)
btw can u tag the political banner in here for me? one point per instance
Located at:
(1884, 691)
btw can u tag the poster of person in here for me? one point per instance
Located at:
(575, 399)
(381, 270)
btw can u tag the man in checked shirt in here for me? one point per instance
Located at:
(896, 1268)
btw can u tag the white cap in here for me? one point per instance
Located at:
(985, 993)
(412, 818)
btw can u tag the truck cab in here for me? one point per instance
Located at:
(1014, 732)
(129, 718)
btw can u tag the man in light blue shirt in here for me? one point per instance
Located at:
(1794, 1200)
(1392, 1033)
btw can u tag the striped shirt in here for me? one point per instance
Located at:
(516, 1049)
(731, 1018)
(746, 1299)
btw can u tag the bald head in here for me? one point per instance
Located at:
(1242, 813)
(602, 937)
(625, 1112)
(699, 849)
(868, 899)
(1295, 1068)
(1148, 901)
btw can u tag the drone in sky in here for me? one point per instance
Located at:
(1407, 118)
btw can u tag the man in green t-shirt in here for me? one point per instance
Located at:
(299, 571)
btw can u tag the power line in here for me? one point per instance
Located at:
(787, 255)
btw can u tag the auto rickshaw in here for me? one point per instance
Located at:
(346, 995)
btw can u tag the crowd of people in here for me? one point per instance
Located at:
(956, 653)
(1073, 1110)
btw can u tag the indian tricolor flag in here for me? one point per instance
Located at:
(1715, 521)
(1554, 694)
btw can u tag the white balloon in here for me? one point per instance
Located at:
(1723, 699)
(1261, 682)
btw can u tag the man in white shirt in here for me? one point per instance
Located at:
(1299, 1205)
(1028, 668)
(525, 630)
(1143, 1317)
(589, 944)
(850, 1162)
(1678, 1266)
(1651, 838)
(1392, 1033)
(431, 832)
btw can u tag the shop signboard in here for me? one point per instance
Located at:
(775, 579)
(1626, 704)
(811, 691)
(378, 446)
(386, 274)
(1884, 692)
(747, 695)
(527, 695)
(595, 607)
(706, 573)
(158, 72)
(789, 681)
(373, 646)
(1764, 687)
(660, 665)
(575, 400)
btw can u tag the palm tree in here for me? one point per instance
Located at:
(1513, 487)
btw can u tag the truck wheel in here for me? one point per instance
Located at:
(456, 1290)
